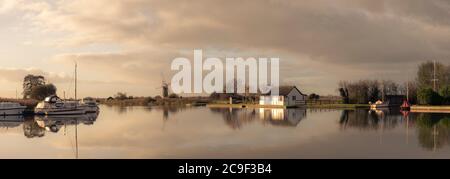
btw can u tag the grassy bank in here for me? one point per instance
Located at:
(223, 105)
(339, 106)
(155, 102)
(424, 108)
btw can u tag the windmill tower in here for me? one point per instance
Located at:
(164, 87)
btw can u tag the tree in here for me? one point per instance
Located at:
(314, 96)
(425, 74)
(121, 96)
(445, 94)
(42, 91)
(344, 94)
(31, 81)
(173, 95)
(389, 87)
(428, 97)
(374, 91)
(410, 89)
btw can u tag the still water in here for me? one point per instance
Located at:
(201, 132)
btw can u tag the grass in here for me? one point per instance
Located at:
(154, 102)
(426, 108)
(339, 106)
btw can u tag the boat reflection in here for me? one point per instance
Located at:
(237, 118)
(55, 123)
(433, 129)
(7, 122)
(36, 126)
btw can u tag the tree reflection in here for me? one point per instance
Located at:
(433, 130)
(369, 120)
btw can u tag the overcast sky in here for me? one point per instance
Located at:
(124, 45)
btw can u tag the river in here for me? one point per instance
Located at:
(201, 132)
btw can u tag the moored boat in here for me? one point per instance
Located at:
(90, 105)
(53, 105)
(10, 108)
(405, 106)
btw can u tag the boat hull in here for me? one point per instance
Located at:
(12, 111)
(91, 109)
(52, 112)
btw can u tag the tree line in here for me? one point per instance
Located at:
(431, 87)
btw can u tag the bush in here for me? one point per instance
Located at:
(121, 96)
(173, 95)
(428, 96)
(445, 94)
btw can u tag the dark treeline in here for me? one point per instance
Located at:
(431, 87)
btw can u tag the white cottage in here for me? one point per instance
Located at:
(289, 96)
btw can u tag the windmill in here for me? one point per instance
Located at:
(164, 87)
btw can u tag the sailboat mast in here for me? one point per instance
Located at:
(76, 79)
(407, 91)
(434, 75)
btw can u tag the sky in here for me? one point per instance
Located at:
(128, 45)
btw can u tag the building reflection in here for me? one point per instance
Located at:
(237, 118)
(433, 129)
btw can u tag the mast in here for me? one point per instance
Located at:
(76, 65)
(434, 76)
(407, 92)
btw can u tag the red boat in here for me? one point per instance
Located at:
(405, 106)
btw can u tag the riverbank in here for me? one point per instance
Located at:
(215, 105)
(339, 106)
(430, 109)
(323, 106)
(193, 101)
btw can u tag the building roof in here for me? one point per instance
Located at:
(285, 90)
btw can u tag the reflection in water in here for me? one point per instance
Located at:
(191, 132)
(7, 122)
(55, 123)
(433, 130)
(237, 118)
(36, 126)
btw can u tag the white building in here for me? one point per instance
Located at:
(289, 96)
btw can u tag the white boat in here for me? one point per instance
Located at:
(9, 108)
(53, 105)
(90, 106)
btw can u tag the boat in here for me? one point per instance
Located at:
(381, 105)
(90, 105)
(405, 106)
(53, 105)
(10, 108)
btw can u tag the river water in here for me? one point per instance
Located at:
(201, 132)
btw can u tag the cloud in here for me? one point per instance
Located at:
(322, 39)
(17, 75)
